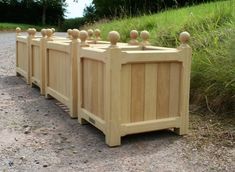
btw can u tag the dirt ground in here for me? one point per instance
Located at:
(37, 135)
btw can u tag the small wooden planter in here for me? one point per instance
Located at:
(29, 57)
(61, 69)
(23, 53)
(123, 91)
(37, 57)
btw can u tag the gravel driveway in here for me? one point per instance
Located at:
(37, 135)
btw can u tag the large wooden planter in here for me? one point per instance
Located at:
(123, 91)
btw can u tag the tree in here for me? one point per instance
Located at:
(89, 13)
(57, 5)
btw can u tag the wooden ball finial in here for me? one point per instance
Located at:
(75, 33)
(97, 34)
(184, 37)
(113, 37)
(145, 37)
(69, 32)
(134, 35)
(18, 30)
(83, 37)
(43, 32)
(49, 33)
(90, 33)
(29, 31)
(33, 32)
(53, 30)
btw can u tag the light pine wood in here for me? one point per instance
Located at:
(150, 125)
(113, 135)
(150, 91)
(163, 88)
(35, 64)
(23, 54)
(94, 88)
(126, 93)
(174, 89)
(100, 89)
(137, 92)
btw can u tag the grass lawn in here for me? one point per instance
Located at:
(24, 27)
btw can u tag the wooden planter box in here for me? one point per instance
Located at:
(37, 71)
(60, 78)
(37, 60)
(22, 56)
(29, 57)
(123, 91)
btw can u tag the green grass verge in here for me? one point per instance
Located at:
(212, 30)
(24, 27)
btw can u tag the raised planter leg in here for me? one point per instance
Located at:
(113, 140)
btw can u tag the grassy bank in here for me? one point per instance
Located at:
(24, 27)
(212, 30)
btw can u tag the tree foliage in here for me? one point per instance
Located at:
(32, 11)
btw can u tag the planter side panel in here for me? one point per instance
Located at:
(36, 63)
(22, 57)
(93, 87)
(59, 74)
(150, 91)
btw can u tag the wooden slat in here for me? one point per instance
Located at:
(36, 62)
(100, 87)
(150, 56)
(59, 72)
(85, 83)
(94, 87)
(89, 85)
(151, 125)
(126, 93)
(22, 56)
(137, 92)
(174, 89)
(163, 90)
(150, 91)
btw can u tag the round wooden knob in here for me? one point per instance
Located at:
(29, 31)
(90, 33)
(69, 31)
(144, 35)
(113, 37)
(43, 32)
(53, 30)
(49, 33)
(184, 37)
(33, 31)
(18, 30)
(83, 35)
(134, 34)
(75, 33)
(97, 33)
